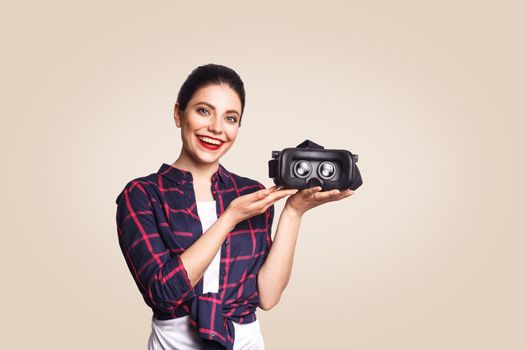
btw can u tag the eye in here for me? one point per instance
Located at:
(232, 119)
(203, 111)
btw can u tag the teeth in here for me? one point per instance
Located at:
(208, 140)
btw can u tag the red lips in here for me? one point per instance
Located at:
(221, 141)
(210, 146)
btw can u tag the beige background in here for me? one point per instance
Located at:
(427, 255)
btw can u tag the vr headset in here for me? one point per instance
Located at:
(309, 165)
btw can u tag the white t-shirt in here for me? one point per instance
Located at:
(177, 334)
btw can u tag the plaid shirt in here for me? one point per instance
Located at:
(157, 220)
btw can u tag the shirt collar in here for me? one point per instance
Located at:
(178, 175)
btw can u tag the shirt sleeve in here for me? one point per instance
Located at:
(158, 272)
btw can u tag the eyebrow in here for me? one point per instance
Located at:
(212, 107)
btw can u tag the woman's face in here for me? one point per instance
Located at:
(210, 123)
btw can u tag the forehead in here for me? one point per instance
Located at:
(220, 96)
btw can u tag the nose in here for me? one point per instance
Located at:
(215, 124)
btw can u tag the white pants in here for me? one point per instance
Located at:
(177, 334)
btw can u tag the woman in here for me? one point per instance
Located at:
(197, 238)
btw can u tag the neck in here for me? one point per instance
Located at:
(201, 172)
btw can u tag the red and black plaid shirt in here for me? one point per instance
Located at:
(157, 220)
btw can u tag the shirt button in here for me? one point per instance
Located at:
(213, 334)
(227, 242)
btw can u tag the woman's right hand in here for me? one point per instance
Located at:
(255, 203)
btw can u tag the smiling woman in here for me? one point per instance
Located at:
(210, 120)
(197, 238)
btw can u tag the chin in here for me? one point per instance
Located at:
(208, 158)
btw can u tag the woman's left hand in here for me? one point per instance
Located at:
(309, 198)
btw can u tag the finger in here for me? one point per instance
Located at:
(325, 196)
(282, 193)
(258, 195)
(256, 198)
(264, 196)
(262, 193)
(343, 194)
(272, 189)
(310, 191)
(277, 195)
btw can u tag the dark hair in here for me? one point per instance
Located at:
(209, 74)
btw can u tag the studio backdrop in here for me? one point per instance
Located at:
(428, 253)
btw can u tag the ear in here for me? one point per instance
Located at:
(177, 115)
